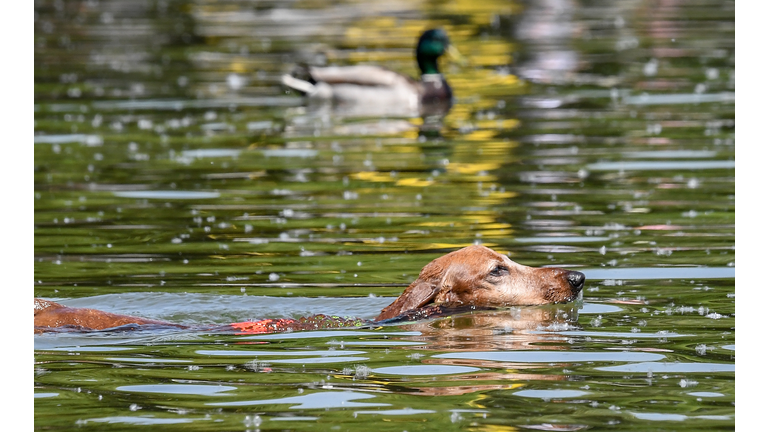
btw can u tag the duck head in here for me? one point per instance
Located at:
(432, 44)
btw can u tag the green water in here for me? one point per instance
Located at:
(176, 179)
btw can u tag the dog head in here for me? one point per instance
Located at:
(477, 276)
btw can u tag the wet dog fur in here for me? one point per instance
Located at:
(472, 277)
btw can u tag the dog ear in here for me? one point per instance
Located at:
(417, 295)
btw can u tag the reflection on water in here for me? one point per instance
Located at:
(177, 178)
(562, 357)
(671, 367)
(424, 370)
(318, 400)
(188, 389)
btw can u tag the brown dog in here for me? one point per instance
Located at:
(471, 277)
(478, 276)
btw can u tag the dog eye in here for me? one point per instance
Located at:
(499, 271)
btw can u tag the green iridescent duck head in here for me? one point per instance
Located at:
(432, 44)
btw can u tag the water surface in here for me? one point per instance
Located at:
(176, 179)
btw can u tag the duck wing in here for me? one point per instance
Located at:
(362, 75)
(363, 90)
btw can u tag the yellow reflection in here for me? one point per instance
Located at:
(498, 225)
(440, 224)
(386, 29)
(410, 134)
(481, 150)
(481, 12)
(488, 52)
(472, 168)
(477, 80)
(239, 67)
(502, 195)
(480, 135)
(403, 149)
(473, 219)
(483, 219)
(459, 113)
(373, 176)
(413, 182)
(498, 124)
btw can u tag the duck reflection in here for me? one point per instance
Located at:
(324, 118)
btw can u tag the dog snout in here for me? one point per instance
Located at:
(576, 280)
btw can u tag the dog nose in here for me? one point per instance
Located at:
(576, 280)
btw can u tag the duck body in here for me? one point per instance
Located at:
(369, 89)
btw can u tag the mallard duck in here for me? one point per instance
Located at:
(377, 90)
